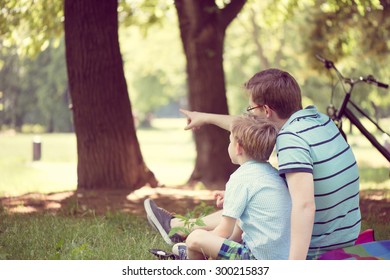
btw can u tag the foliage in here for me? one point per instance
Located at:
(284, 34)
(30, 25)
(154, 67)
(355, 35)
(37, 97)
(289, 30)
(35, 89)
(192, 218)
(341, 27)
(246, 53)
(144, 13)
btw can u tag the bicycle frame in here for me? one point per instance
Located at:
(355, 121)
(344, 111)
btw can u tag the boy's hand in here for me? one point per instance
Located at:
(218, 196)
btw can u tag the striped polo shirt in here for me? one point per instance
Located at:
(310, 142)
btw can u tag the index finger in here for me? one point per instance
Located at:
(185, 112)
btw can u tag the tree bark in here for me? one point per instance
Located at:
(202, 29)
(109, 155)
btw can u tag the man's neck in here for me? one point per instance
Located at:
(279, 122)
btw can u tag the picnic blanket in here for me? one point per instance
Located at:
(376, 250)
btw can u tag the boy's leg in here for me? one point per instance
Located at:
(163, 221)
(160, 219)
(202, 244)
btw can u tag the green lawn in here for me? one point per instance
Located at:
(168, 151)
(55, 172)
(114, 236)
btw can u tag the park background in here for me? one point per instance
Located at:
(118, 136)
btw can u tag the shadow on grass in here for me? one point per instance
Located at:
(374, 203)
(100, 202)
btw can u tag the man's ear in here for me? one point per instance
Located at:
(268, 111)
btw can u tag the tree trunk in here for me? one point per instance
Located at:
(109, 155)
(202, 29)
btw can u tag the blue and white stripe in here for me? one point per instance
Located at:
(310, 142)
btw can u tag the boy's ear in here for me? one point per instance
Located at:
(239, 149)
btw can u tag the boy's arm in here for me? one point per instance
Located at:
(237, 234)
(197, 119)
(301, 187)
(225, 227)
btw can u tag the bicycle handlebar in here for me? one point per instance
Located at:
(327, 63)
(369, 79)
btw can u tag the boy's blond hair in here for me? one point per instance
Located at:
(256, 135)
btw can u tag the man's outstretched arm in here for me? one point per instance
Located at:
(197, 119)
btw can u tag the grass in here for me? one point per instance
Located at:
(46, 237)
(381, 230)
(55, 172)
(168, 151)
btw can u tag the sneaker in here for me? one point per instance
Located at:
(160, 219)
(180, 249)
(151, 223)
(163, 255)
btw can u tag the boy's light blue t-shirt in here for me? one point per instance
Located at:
(259, 198)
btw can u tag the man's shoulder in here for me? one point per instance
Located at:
(306, 127)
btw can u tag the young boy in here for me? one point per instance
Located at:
(256, 197)
(255, 222)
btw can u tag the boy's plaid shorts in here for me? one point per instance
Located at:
(231, 250)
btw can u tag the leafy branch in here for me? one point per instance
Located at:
(191, 219)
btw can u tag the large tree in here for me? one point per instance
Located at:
(109, 155)
(202, 27)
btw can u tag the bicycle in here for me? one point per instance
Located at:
(344, 111)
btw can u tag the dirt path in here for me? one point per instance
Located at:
(175, 199)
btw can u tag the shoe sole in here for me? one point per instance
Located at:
(151, 223)
(152, 218)
(163, 255)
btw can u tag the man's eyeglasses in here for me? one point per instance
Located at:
(249, 108)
